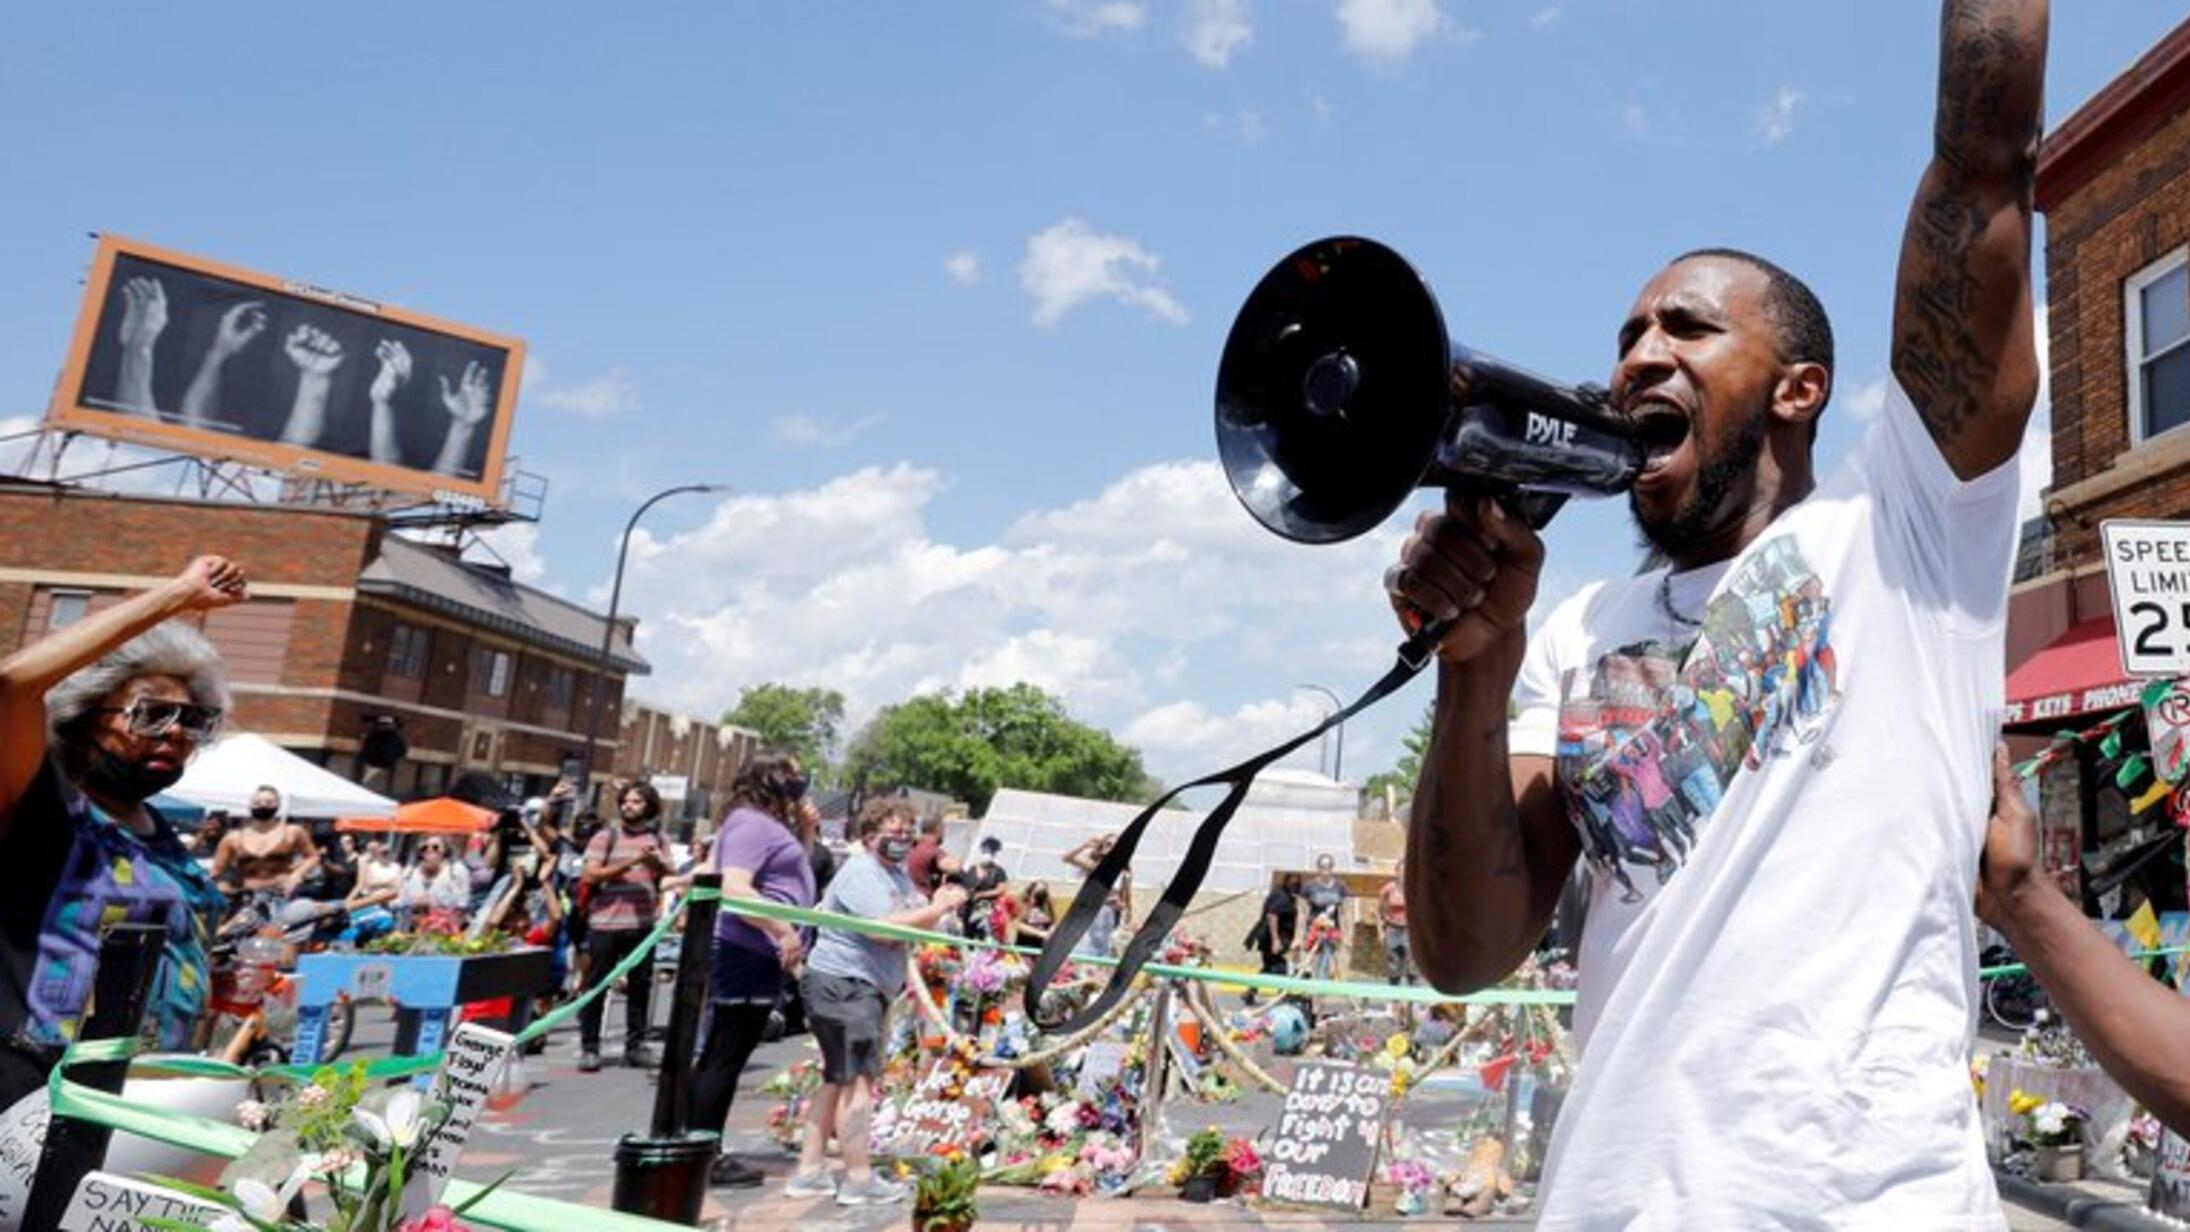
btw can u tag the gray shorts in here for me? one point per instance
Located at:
(845, 1016)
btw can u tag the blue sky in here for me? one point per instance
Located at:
(939, 288)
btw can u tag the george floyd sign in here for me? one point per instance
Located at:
(186, 354)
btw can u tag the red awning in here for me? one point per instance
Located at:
(2077, 673)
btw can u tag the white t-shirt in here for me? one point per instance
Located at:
(1783, 809)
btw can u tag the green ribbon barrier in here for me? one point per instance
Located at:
(1986, 973)
(503, 1208)
(1415, 994)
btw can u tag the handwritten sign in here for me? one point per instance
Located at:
(1327, 1136)
(1100, 1064)
(471, 1068)
(2170, 1193)
(22, 1141)
(107, 1203)
(944, 1110)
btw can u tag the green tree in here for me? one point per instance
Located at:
(971, 745)
(802, 721)
(1401, 778)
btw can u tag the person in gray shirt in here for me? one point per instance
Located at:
(849, 982)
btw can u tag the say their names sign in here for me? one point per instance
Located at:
(107, 1203)
(2148, 575)
(1326, 1141)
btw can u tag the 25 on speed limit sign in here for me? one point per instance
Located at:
(2148, 572)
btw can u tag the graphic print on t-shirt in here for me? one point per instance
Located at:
(1650, 736)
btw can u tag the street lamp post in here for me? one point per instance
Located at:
(608, 632)
(1338, 759)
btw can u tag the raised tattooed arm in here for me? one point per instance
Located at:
(1962, 324)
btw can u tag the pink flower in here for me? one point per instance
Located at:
(439, 1219)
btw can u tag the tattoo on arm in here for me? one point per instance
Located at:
(1967, 245)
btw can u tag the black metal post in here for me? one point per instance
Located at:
(129, 955)
(664, 1175)
(608, 635)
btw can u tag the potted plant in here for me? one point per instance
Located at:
(1196, 1175)
(947, 1196)
(2056, 1130)
(1242, 1167)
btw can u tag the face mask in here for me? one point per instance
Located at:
(110, 776)
(895, 849)
(264, 812)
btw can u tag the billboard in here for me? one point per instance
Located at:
(207, 359)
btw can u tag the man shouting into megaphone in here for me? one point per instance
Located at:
(1773, 750)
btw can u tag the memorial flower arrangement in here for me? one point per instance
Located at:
(1416, 1182)
(793, 1087)
(946, 1197)
(2049, 1041)
(2048, 1122)
(428, 939)
(360, 1143)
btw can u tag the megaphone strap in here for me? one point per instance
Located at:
(1413, 656)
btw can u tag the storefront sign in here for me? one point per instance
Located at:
(1325, 1146)
(2148, 574)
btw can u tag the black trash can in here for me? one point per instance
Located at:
(664, 1178)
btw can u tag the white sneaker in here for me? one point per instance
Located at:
(876, 1192)
(810, 1185)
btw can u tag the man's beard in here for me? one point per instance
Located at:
(1692, 523)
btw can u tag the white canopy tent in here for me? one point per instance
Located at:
(225, 775)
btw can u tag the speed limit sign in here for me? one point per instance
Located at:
(2148, 574)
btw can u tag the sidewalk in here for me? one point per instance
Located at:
(2094, 1203)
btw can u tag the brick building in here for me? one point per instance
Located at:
(2114, 185)
(674, 749)
(348, 621)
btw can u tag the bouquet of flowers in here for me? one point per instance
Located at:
(794, 1087)
(362, 1143)
(1416, 1183)
(2050, 1122)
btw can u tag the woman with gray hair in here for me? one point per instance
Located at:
(95, 719)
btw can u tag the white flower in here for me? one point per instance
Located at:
(229, 1223)
(401, 1124)
(2050, 1120)
(251, 1114)
(1063, 1120)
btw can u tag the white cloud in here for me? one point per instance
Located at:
(1193, 735)
(1868, 400)
(1071, 262)
(1545, 18)
(1216, 30)
(611, 393)
(1776, 119)
(808, 430)
(1109, 603)
(1387, 31)
(1088, 18)
(516, 544)
(964, 267)
(1636, 120)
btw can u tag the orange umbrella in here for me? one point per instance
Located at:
(440, 815)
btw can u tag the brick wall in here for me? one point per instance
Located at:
(2124, 219)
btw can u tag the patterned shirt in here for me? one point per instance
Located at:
(85, 873)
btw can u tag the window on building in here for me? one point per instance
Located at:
(2156, 314)
(562, 686)
(490, 671)
(407, 652)
(68, 607)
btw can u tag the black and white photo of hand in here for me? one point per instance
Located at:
(316, 354)
(238, 326)
(467, 403)
(395, 372)
(144, 316)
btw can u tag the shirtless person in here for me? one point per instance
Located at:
(266, 852)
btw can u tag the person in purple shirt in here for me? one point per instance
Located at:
(762, 853)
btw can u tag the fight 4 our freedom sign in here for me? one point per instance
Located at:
(1327, 1137)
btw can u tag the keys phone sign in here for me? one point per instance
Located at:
(2148, 574)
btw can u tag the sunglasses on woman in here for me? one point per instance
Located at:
(152, 718)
